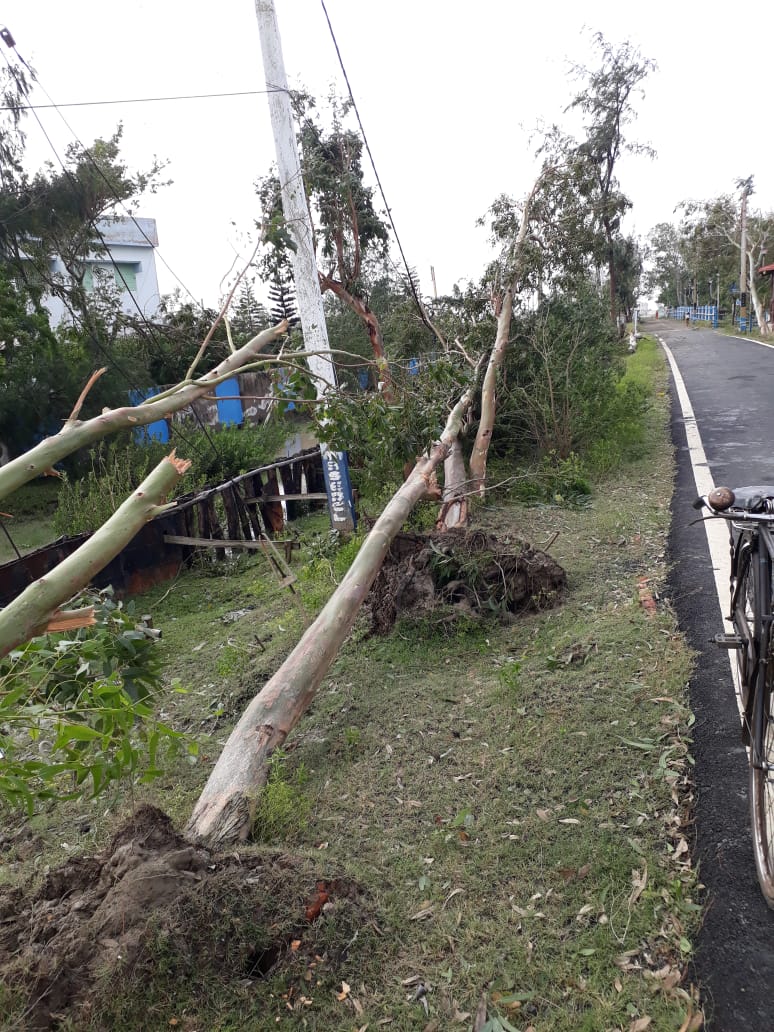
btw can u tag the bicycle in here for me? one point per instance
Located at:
(749, 512)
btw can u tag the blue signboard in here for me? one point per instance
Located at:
(158, 431)
(339, 487)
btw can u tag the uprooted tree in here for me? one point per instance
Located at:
(225, 809)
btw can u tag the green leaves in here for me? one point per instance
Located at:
(381, 436)
(76, 713)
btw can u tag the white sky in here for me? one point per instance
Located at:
(448, 93)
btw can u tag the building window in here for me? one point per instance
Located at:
(127, 280)
(122, 275)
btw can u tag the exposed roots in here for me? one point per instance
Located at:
(98, 926)
(467, 572)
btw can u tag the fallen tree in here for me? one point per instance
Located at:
(37, 608)
(224, 811)
(77, 434)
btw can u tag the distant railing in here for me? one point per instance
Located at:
(245, 398)
(695, 313)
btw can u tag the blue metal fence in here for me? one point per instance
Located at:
(158, 431)
(699, 313)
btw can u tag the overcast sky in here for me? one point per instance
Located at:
(449, 93)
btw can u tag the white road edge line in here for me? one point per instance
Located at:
(717, 532)
(750, 340)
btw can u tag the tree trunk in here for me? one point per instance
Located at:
(760, 314)
(454, 510)
(488, 396)
(371, 323)
(30, 613)
(225, 809)
(496, 358)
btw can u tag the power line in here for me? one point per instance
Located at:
(134, 100)
(409, 274)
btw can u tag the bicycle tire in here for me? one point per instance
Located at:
(762, 784)
(745, 626)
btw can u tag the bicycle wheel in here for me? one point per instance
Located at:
(762, 784)
(744, 625)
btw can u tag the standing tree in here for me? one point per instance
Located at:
(282, 296)
(54, 214)
(708, 241)
(57, 214)
(667, 275)
(249, 316)
(628, 263)
(606, 102)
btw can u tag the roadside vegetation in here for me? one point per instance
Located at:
(477, 822)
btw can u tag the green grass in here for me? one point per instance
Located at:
(31, 509)
(508, 801)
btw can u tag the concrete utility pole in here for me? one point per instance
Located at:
(307, 281)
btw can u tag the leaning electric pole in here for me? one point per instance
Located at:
(307, 280)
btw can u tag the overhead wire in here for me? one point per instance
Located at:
(409, 273)
(135, 100)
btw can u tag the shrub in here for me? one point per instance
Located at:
(380, 435)
(559, 392)
(556, 480)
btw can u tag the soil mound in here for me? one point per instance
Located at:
(462, 572)
(100, 922)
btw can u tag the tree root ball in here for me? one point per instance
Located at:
(465, 572)
(76, 948)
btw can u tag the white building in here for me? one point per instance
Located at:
(130, 266)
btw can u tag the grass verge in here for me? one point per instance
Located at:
(30, 521)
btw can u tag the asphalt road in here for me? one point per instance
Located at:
(731, 387)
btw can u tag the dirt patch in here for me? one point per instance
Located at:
(463, 572)
(98, 921)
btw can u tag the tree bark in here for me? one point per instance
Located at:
(496, 358)
(480, 451)
(76, 434)
(454, 510)
(224, 812)
(31, 612)
(371, 323)
(760, 314)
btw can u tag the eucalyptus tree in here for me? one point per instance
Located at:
(56, 213)
(628, 257)
(607, 103)
(667, 276)
(701, 254)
